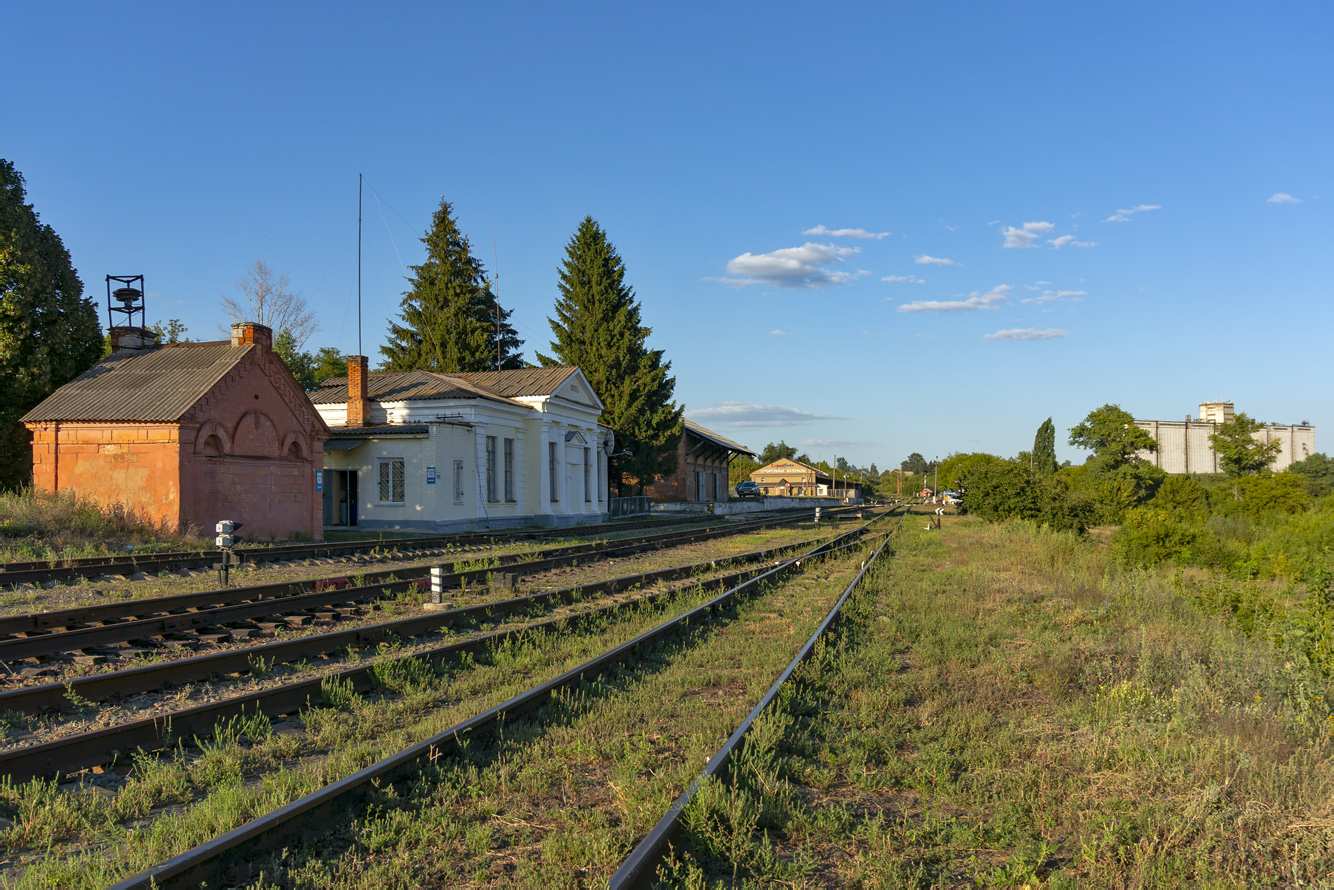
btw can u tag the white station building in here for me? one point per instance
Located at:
(419, 451)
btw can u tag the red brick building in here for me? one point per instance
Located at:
(187, 434)
(702, 458)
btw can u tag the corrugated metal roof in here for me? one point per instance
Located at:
(404, 386)
(155, 386)
(521, 382)
(706, 433)
(378, 429)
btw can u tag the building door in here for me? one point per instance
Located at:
(340, 497)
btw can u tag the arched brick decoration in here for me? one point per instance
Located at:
(294, 446)
(256, 436)
(211, 428)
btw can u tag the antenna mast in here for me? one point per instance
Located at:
(359, 352)
(496, 247)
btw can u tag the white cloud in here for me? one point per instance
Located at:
(1282, 198)
(792, 267)
(1057, 296)
(975, 301)
(1060, 242)
(846, 233)
(903, 279)
(749, 414)
(1024, 237)
(993, 222)
(1124, 215)
(1016, 334)
(831, 443)
(780, 333)
(925, 260)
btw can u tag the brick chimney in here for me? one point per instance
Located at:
(246, 332)
(130, 339)
(357, 404)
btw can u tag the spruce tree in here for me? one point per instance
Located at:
(449, 315)
(49, 331)
(1044, 449)
(597, 327)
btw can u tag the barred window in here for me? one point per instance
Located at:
(509, 469)
(458, 481)
(390, 474)
(491, 469)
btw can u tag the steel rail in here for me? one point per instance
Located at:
(105, 746)
(100, 687)
(69, 568)
(637, 870)
(313, 813)
(186, 612)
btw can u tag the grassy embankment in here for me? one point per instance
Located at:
(38, 526)
(1008, 708)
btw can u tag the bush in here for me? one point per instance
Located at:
(1149, 536)
(1005, 489)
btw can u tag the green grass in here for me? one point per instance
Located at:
(42, 526)
(1004, 708)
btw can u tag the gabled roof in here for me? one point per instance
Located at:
(157, 385)
(522, 382)
(705, 433)
(406, 386)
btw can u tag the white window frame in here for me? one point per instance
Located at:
(588, 477)
(402, 480)
(552, 467)
(509, 471)
(491, 494)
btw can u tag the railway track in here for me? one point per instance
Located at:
(314, 813)
(221, 614)
(71, 754)
(640, 867)
(57, 569)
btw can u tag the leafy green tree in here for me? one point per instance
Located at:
(914, 464)
(1240, 453)
(1110, 433)
(329, 361)
(741, 468)
(779, 450)
(957, 469)
(1318, 472)
(449, 316)
(301, 364)
(598, 328)
(173, 331)
(49, 331)
(1044, 449)
(999, 490)
(1182, 495)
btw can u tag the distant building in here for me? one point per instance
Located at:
(702, 461)
(794, 479)
(1183, 446)
(441, 452)
(186, 434)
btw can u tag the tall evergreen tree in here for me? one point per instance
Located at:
(450, 314)
(1044, 449)
(597, 327)
(49, 331)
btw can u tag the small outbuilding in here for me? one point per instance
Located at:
(703, 460)
(187, 434)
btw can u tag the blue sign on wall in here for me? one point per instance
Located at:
(319, 481)
(430, 475)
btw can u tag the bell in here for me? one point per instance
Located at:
(127, 295)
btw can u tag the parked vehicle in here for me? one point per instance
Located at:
(748, 489)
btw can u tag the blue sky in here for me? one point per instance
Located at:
(784, 181)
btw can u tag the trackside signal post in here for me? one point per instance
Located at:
(225, 541)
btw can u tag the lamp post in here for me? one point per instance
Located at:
(937, 463)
